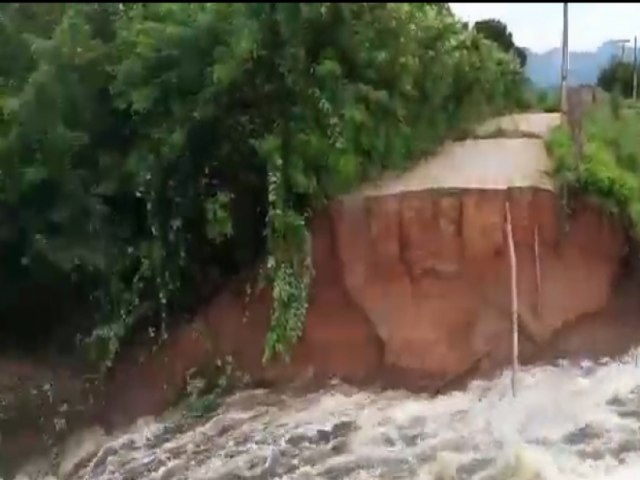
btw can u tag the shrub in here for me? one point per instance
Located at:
(151, 149)
(608, 171)
(617, 76)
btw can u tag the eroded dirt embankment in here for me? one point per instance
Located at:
(411, 284)
(412, 287)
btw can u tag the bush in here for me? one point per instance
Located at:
(496, 31)
(608, 171)
(549, 101)
(149, 150)
(617, 76)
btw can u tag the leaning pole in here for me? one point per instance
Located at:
(514, 300)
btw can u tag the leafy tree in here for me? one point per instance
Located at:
(150, 150)
(617, 76)
(497, 32)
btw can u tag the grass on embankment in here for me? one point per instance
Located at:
(609, 171)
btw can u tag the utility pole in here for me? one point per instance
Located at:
(565, 58)
(635, 68)
(514, 301)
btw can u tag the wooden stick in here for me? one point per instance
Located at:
(538, 281)
(514, 301)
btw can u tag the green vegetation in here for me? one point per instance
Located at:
(149, 152)
(617, 77)
(529, 97)
(204, 392)
(609, 170)
(547, 100)
(496, 31)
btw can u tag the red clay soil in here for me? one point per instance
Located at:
(39, 402)
(412, 290)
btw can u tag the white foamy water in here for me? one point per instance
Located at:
(568, 422)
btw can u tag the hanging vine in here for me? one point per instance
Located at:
(153, 151)
(288, 260)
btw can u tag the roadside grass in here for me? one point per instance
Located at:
(609, 171)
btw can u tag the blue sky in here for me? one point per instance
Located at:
(538, 26)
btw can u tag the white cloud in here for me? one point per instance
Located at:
(538, 26)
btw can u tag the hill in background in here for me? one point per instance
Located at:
(544, 68)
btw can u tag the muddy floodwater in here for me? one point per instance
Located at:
(569, 421)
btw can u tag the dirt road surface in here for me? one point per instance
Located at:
(486, 163)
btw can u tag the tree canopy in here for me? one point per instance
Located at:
(617, 76)
(148, 152)
(497, 32)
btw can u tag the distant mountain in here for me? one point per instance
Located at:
(544, 68)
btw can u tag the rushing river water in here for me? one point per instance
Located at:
(568, 421)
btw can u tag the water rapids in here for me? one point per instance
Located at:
(569, 421)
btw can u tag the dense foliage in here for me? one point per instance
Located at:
(150, 151)
(608, 170)
(547, 100)
(497, 32)
(617, 77)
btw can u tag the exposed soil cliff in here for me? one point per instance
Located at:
(411, 289)
(411, 283)
(412, 286)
